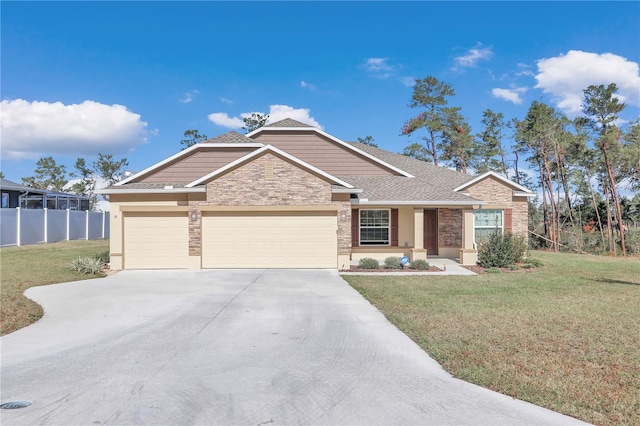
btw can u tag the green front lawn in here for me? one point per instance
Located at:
(565, 336)
(29, 266)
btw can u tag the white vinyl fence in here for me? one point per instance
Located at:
(19, 227)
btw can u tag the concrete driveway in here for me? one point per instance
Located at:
(251, 347)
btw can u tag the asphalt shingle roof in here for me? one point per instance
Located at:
(288, 122)
(230, 137)
(431, 183)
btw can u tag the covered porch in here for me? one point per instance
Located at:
(418, 232)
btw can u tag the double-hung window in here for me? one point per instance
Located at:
(486, 222)
(375, 227)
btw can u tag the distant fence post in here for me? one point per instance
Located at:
(18, 227)
(46, 225)
(103, 224)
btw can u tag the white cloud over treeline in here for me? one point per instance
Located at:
(565, 77)
(31, 129)
(276, 113)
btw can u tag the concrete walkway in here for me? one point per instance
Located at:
(447, 266)
(250, 347)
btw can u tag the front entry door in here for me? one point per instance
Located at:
(431, 231)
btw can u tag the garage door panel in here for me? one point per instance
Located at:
(275, 240)
(156, 241)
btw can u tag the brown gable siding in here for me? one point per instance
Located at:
(322, 153)
(196, 165)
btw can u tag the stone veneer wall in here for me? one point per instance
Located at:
(499, 196)
(450, 228)
(269, 181)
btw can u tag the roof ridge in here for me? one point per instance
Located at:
(288, 122)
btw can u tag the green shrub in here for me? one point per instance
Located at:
(501, 250)
(87, 265)
(536, 263)
(419, 264)
(527, 266)
(513, 267)
(493, 270)
(368, 263)
(393, 262)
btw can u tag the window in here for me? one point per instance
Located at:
(486, 222)
(374, 227)
(5, 200)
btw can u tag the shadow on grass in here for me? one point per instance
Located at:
(610, 281)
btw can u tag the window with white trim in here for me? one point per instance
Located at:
(375, 227)
(485, 222)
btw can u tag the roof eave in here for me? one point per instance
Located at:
(419, 202)
(150, 191)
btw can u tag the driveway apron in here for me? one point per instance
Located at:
(251, 347)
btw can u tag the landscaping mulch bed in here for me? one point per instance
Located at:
(482, 270)
(355, 268)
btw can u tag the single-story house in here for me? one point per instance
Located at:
(17, 195)
(289, 195)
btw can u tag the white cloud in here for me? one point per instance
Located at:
(511, 95)
(276, 113)
(189, 96)
(31, 129)
(565, 77)
(306, 85)
(225, 100)
(280, 112)
(408, 81)
(379, 67)
(472, 57)
(223, 119)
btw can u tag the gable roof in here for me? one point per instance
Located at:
(230, 137)
(331, 138)
(232, 140)
(259, 152)
(502, 179)
(288, 122)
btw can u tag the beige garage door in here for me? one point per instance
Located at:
(270, 240)
(156, 241)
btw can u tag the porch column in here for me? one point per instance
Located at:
(468, 254)
(418, 251)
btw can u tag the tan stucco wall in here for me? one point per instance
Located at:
(500, 196)
(405, 227)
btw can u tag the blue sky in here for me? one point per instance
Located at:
(124, 78)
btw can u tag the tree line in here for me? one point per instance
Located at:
(49, 175)
(579, 164)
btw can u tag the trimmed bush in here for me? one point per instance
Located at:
(536, 263)
(368, 263)
(501, 250)
(419, 264)
(87, 265)
(393, 262)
